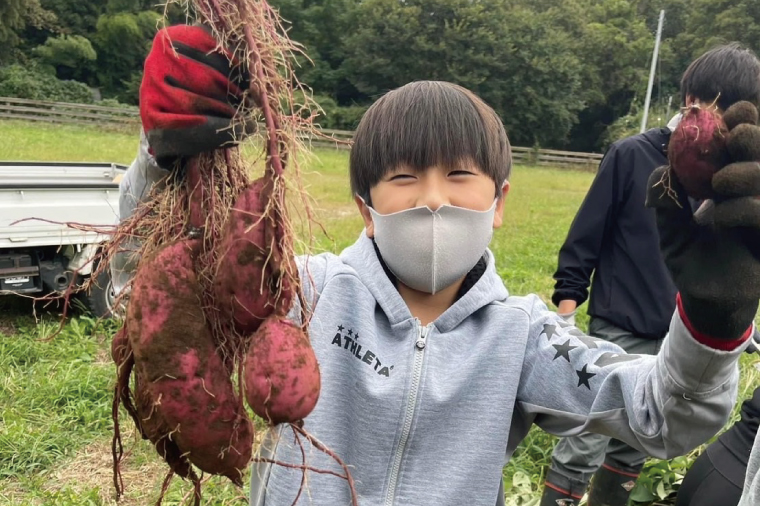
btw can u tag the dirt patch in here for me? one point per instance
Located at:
(103, 357)
(142, 471)
(92, 467)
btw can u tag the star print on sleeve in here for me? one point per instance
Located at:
(614, 358)
(549, 330)
(350, 332)
(589, 342)
(563, 350)
(584, 376)
(340, 328)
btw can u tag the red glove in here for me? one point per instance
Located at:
(189, 94)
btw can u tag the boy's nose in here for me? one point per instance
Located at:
(434, 201)
(434, 195)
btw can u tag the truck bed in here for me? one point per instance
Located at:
(84, 193)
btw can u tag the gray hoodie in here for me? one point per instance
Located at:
(430, 415)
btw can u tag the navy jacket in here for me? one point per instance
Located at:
(614, 237)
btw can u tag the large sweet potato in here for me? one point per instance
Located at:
(185, 382)
(247, 287)
(282, 379)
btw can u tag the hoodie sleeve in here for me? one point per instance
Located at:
(663, 405)
(579, 254)
(141, 175)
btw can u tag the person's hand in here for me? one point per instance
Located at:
(190, 94)
(566, 310)
(715, 267)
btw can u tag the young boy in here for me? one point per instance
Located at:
(431, 372)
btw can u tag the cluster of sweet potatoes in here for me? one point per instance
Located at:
(184, 398)
(209, 330)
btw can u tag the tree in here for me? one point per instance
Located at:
(616, 45)
(11, 19)
(322, 27)
(68, 54)
(76, 17)
(122, 42)
(512, 56)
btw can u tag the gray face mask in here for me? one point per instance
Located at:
(430, 250)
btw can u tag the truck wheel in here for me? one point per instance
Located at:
(101, 298)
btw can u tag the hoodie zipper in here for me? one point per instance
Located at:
(419, 352)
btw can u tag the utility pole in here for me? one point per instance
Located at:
(651, 71)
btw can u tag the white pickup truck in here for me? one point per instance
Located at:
(38, 253)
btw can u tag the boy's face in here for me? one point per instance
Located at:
(463, 186)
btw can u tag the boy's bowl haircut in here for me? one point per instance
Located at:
(427, 123)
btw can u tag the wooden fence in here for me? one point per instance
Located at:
(86, 114)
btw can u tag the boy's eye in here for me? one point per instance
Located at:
(460, 173)
(399, 177)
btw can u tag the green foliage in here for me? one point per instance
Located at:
(70, 55)
(78, 17)
(11, 19)
(122, 41)
(337, 117)
(326, 48)
(51, 393)
(24, 82)
(659, 480)
(513, 57)
(559, 73)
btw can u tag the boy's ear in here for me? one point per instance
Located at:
(367, 216)
(498, 215)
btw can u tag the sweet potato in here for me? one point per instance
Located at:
(247, 287)
(697, 150)
(185, 381)
(282, 379)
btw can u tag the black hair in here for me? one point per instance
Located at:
(427, 123)
(728, 73)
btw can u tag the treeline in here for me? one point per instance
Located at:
(561, 73)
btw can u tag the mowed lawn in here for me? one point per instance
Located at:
(55, 395)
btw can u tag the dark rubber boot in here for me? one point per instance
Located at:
(562, 491)
(612, 486)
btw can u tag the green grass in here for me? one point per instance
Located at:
(55, 395)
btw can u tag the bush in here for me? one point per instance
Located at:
(69, 55)
(338, 117)
(21, 82)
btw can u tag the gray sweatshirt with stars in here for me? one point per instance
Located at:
(429, 415)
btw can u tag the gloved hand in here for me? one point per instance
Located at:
(716, 267)
(189, 94)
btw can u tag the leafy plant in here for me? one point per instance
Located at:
(29, 82)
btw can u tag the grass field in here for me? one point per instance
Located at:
(55, 395)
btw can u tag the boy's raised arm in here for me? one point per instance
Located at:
(664, 405)
(668, 404)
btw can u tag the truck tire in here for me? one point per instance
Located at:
(100, 299)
